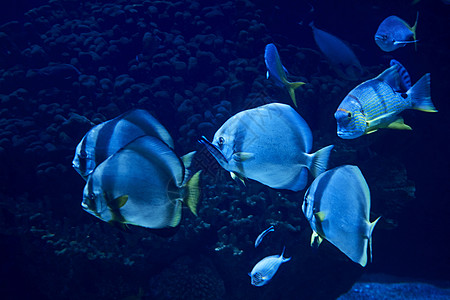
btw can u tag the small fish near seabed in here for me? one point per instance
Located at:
(266, 268)
(276, 70)
(142, 184)
(262, 235)
(337, 206)
(376, 103)
(394, 33)
(269, 144)
(105, 139)
(339, 54)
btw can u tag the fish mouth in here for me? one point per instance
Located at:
(218, 155)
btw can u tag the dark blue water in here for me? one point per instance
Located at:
(192, 65)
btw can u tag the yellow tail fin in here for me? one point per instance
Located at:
(193, 192)
(291, 89)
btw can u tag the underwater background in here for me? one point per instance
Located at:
(66, 65)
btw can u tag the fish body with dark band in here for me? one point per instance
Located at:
(142, 184)
(105, 139)
(269, 144)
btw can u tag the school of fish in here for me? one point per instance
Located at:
(133, 176)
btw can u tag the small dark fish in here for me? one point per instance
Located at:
(262, 235)
(58, 71)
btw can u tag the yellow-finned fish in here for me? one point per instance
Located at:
(270, 144)
(377, 102)
(394, 33)
(105, 139)
(276, 70)
(142, 184)
(337, 206)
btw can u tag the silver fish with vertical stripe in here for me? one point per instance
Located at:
(377, 102)
(105, 139)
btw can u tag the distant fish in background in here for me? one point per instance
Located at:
(265, 269)
(105, 139)
(394, 33)
(337, 206)
(341, 57)
(142, 184)
(377, 102)
(58, 71)
(262, 235)
(276, 70)
(269, 144)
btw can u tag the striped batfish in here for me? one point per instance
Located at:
(270, 144)
(337, 206)
(377, 102)
(105, 139)
(142, 184)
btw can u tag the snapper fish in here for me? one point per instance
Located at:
(376, 103)
(337, 206)
(266, 268)
(142, 184)
(394, 33)
(341, 57)
(105, 139)
(276, 70)
(269, 144)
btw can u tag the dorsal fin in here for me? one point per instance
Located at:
(392, 77)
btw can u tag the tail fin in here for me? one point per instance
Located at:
(284, 259)
(420, 95)
(413, 29)
(193, 192)
(291, 89)
(372, 225)
(177, 215)
(320, 160)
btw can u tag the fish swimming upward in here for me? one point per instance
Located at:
(337, 206)
(394, 33)
(142, 184)
(262, 235)
(265, 269)
(105, 139)
(269, 144)
(276, 70)
(376, 103)
(341, 57)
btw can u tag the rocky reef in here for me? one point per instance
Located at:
(69, 65)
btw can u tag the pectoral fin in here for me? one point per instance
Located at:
(316, 240)
(399, 124)
(320, 216)
(118, 202)
(243, 156)
(238, 178)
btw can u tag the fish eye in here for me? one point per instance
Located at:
(82, 154)
(349, 115)
(221, 140)
(404, 95)
(91, 197)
